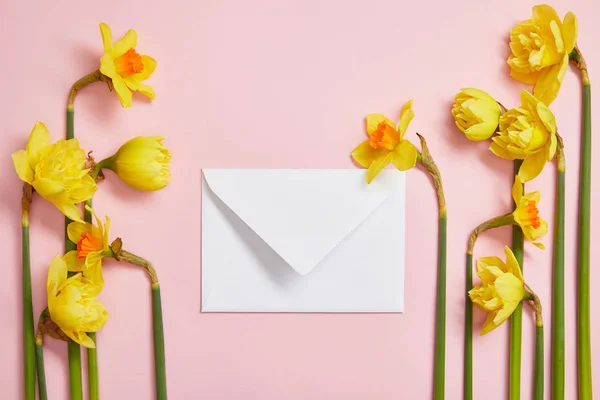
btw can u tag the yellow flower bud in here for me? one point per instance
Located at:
(527, 133)
(540, 49)
(142, 163)
(56, 171)
(502, 289)
(73, 303)
(476, 113)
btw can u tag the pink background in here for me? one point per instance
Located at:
(280, 84)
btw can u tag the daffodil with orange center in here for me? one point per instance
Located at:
(92, 246)
(386, 144)
(125, 66)
(526, 213)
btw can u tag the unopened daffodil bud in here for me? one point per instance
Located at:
(142, 163)
(476, 113)
(73, 303)
(540, 49)
(526, 213)
(386, 144)
(124, 66)
(502, 289)
(527, 133)
(55, 170)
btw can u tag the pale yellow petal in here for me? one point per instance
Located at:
(74, 263)
(106, 34)
(76, 229)
(406, 115)
(512, 265)
(22, 167)
(547, 87)
(135, 85)
(57, 275)
(532, 166)
(404, 156)
(373, 121)
(365, 154)
(82, 338)
(94, 274)
(517, 190)
(129, 41)
(149, 67)
(123, 92)
(544, 13)
(569, 31)
(39, 140)
(377, 166)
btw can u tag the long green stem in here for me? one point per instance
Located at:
(41, 370)
(439, 376)
(468, 357)
(74, 351)
(584, 352)
(514, 382)
(28, 333)
(558, 283)
(538, 382)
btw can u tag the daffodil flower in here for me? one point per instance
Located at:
(92, 246)
(124, 66)
(386, 144)
(73, 303)
(526, 213)
(476, 113)
(502, 289)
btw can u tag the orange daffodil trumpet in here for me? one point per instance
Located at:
(526, 213)
(125, 66)
(540, 49)
(92, 246)
(73, 303)
(527, 133)
(386, 144)
(55, 170)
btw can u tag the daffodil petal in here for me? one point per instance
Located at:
(82, 338)
(149, 67)
(404, 156)
(406, 115)
(57, 275)
(569, 31)
(365, 154)
(22, 166)
(106, 34)
(532, 166)
(517, 191)
(76, 229)
(129, 41)
(38, 141)
(377, 166)
(373, 121)
(547, 87)
(137, 86)
(123, 92)
(74, 263)
(512, 265)
(94, 274)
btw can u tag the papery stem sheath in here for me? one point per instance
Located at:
(584, 352)
(514, 374)
(74, 351)
(28, 332)
(558, 283)
(468, 357)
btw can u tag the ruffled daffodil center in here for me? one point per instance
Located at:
(385, 137)
(528, 215)
(88, 244)
(129, 63)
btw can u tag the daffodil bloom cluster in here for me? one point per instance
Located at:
(502, 288)
(55, 170)
(386, 144)
(540, 49)
(125, 66)
(73, 303)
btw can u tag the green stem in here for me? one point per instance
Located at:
(538, 383)
(28, 333)
(558, 283)
(74, 351)
(92, 354)
(584, 354)
(159, 344)
(514, 392)
(440, 317)
(468, 358)
(41, 370)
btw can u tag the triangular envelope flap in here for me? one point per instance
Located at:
(301, 214)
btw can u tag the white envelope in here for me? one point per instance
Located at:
(319, 240)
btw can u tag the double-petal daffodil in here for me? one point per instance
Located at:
(142, 163)
(73, 303)
(56, 171)
(526, 213)
(540, 50)
(92, 246)
(386, 144)
(124, 66)
(476, 113)
(502, 289)
(527, 133)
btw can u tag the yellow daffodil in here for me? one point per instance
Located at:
(73, 303)
(502, 289)
(386, 144)
(526, 213)
(476, 113)
(540, 49)
(56, 171)
(142, 163)
(527, 133)
(124, 66)
(92, 246)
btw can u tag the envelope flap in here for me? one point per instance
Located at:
(301, 214)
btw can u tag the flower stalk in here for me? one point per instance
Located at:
(440, 314)
(39, 356)
(558, 281)
(516, 319)
(584, 355)
(122, 255)
(538, 377)
(28, 332)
